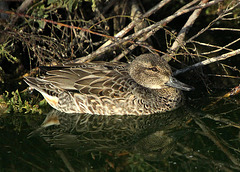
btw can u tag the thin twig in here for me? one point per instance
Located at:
(208, 61)
(65, 160)
(223, 120)
(179, 40)
(215, 140)
(182, 34)
(125, 52)
(215, 46)
(150, 30)
(225, 29)
(221, 165)
(224, 76)
(125, 30)
(20, 9)
(221, 16)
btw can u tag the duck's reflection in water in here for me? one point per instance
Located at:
(150, 135)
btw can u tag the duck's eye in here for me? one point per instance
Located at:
(154, 69)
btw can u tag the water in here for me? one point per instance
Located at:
(188, 139)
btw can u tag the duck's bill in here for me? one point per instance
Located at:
(177, 84)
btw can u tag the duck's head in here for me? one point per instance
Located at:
(152, 71)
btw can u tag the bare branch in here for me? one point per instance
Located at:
(179, 40)
(182, 34)
(150, 30)
(65, 160)
(125, 30)
(223, 120)
(21, 9)
(212, 136)
(208, 61)
(225, 29)
(215, 46)
(221, 16)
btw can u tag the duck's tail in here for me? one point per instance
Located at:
(46, 88)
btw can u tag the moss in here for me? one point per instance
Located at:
(16, 102)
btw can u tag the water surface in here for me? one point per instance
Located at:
(187, 139)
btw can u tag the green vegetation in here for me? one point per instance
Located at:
(21, 103)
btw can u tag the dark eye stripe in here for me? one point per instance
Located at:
(153, 69)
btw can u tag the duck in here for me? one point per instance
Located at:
(143, 87)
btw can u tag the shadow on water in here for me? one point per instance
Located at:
(184, 139)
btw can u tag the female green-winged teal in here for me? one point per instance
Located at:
(143, 87)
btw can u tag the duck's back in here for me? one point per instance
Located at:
(95, 88)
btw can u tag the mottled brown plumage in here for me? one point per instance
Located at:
(143, 87)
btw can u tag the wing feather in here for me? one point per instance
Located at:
(98, 78)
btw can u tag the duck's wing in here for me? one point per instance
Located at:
(100, 79)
